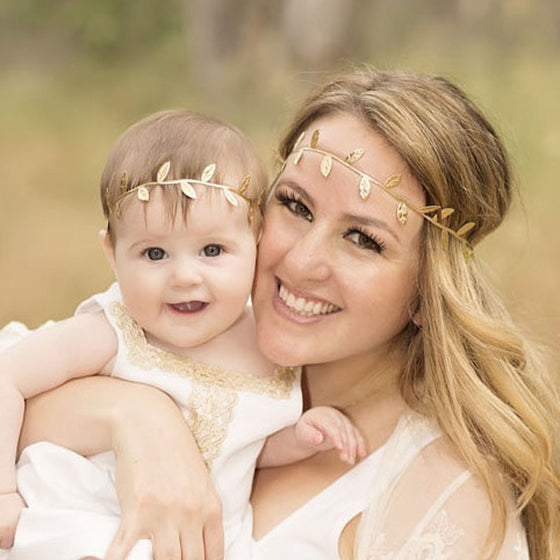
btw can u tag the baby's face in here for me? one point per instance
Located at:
(184, 282)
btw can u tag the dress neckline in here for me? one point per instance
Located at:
(322, 494)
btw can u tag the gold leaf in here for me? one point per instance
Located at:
(402, 212)
(124, 181)
(428, 209)
(244, 184)
(465, 228)
(354, 155)
(447, 212)
(208, 172)
(392, 182)
(315, 138)
(365, 186)
(326, 165)
(143, 194)
(298, 141)
(163, 172)
(231, 198)
(187, 189)
(468, 251)
(298, 156)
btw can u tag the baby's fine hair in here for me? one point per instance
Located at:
(189, 141)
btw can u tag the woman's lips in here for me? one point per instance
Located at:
(304, 306)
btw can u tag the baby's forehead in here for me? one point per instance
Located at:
(167, 214)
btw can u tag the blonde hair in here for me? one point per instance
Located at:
(469, 366)
(190, 141)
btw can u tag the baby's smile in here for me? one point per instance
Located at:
(189, 306)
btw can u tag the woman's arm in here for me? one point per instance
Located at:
(164, 488)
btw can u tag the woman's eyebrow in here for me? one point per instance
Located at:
(298, 189)
(369, 221)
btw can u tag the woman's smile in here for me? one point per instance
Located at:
(304, 305)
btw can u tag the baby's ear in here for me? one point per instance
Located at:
(107, 245)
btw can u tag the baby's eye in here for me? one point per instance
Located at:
(155, 254)
(365, 241)
(212, 250)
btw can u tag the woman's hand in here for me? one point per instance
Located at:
(164, 488)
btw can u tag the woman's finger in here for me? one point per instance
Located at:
(213, 534)
(121, 545)
(167, 546)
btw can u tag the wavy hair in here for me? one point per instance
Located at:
(488, 386)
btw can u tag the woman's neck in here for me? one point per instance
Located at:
(355, 383)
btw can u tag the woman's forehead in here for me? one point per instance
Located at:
(342, 134)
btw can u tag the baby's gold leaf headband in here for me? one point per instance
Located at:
(434, 214)
(185, 185)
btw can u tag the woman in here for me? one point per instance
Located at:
(366, 275)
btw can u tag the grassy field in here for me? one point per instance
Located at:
(58, 120)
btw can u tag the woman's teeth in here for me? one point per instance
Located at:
(305, 307)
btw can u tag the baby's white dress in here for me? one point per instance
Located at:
(73, 509)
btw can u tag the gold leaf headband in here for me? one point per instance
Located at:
(434, 214)
(186, 186)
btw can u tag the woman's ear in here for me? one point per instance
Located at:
(416, 316)
(108, 248)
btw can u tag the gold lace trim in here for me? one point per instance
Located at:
(144, 355)
(211, 412)
(214, 391)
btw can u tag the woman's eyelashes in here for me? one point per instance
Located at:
(355, 234)
(364, 240)
(294, 204)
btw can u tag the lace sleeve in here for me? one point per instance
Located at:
(434, 510)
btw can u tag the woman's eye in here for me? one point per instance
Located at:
(365, 241)
(212, 250)
(294, 205)
(155, 254)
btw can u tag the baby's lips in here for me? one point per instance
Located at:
(189, 306)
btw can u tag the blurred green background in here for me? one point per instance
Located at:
(75, 73)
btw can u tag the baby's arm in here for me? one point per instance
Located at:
(76, 347)
(319, 429)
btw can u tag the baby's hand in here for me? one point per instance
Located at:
(11, 505)
(324, 428)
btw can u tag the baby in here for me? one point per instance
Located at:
(182, 195)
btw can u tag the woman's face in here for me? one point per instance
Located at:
(336, 275)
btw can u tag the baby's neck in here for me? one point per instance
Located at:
(234, 349)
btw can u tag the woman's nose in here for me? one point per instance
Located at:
(310, 256)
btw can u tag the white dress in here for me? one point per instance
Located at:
(418, 503)
(73, 507)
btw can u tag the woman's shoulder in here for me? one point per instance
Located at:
(434, 505)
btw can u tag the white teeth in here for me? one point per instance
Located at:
(305, 307)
